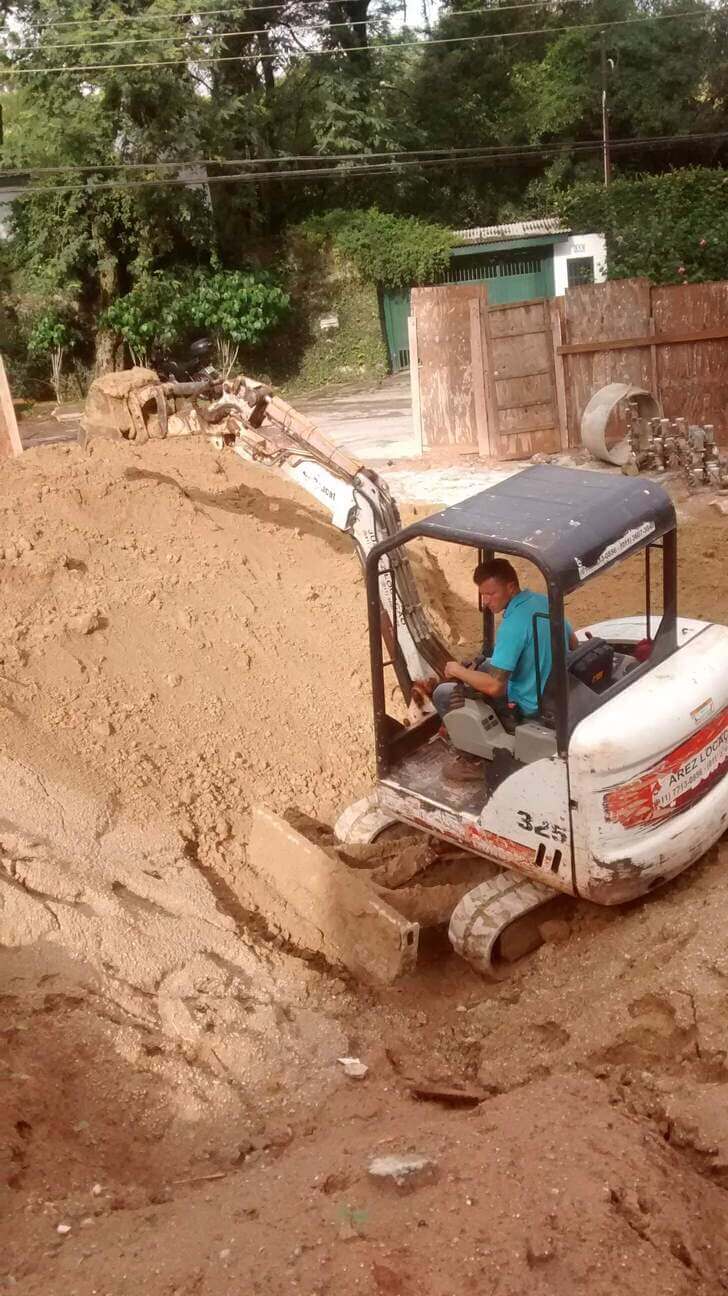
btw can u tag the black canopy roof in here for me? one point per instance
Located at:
(572, 523)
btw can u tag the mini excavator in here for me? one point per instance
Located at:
(621, 779)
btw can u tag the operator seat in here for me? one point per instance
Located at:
(474, 727)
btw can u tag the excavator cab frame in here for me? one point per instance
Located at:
(572, 525)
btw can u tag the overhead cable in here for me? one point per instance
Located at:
(312, 175)
(205, 61)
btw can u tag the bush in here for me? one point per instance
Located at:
(239, 307)
(51, 334)
(162, 309)
(671, 228)
(156, 313)
(393, 251)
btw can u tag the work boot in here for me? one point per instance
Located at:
(464, 769)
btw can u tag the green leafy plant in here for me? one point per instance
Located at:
(51, 334)
(238, 307)
(156, 313)
(394, 251)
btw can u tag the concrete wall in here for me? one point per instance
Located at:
(579, 245)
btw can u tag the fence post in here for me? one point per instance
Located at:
(415, 381)
(559, 371)
(477, 360)
(654, 381)
(10, 443)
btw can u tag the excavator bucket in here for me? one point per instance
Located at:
(321, 906)
(135, 406)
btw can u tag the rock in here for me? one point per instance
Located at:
(403, 1171)
(63, 1229)
(354, 1067)
(174, 681)
(86, 623)
(554, 931)
(225, 1254)
(720, 506)
(97, 1190)
(102, 728)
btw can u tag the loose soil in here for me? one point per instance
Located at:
(181, 637)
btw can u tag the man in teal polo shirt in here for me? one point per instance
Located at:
(507, 680)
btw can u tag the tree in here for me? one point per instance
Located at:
(50, 336)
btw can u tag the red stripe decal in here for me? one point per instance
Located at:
(682, 778)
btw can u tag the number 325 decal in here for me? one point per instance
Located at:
(542, 828)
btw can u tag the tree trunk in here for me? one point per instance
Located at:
(106, 342)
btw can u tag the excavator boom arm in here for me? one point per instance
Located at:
(265, 429)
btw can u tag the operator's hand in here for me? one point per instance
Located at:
(454, 671)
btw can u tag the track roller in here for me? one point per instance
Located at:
(486, 925)
(362, 822)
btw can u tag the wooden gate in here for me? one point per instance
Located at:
(483, 377)
(521, 396)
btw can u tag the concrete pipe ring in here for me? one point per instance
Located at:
(603, 423)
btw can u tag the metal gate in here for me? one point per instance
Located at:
(511, 277)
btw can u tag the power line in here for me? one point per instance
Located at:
(154, 17)
(393, 156)
(275, 4)
(180, 36)
(314, 174)
(192, 34)
(354, 49)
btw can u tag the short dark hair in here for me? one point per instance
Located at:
(495, 569)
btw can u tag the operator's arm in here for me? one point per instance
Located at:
(491, 681)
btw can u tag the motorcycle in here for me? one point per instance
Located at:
(194, 367)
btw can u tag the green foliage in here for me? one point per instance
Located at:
(671, 228)
(50, 332)
(239, 306)
(373, 91)
(394, 251)
(156, 313)
(354, 351)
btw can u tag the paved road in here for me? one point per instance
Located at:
(373, 423)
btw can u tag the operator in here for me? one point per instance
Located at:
(507, 680)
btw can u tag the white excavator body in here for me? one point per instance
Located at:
(648, 772)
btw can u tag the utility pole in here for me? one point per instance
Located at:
(605, 111)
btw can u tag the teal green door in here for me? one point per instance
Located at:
(396, 307)
(510, 276)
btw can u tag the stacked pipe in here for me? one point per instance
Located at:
(673, 445)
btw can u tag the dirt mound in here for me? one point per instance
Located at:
(170, 631)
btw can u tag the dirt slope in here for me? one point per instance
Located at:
(180, 637)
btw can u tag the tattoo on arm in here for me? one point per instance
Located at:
(502, 675)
